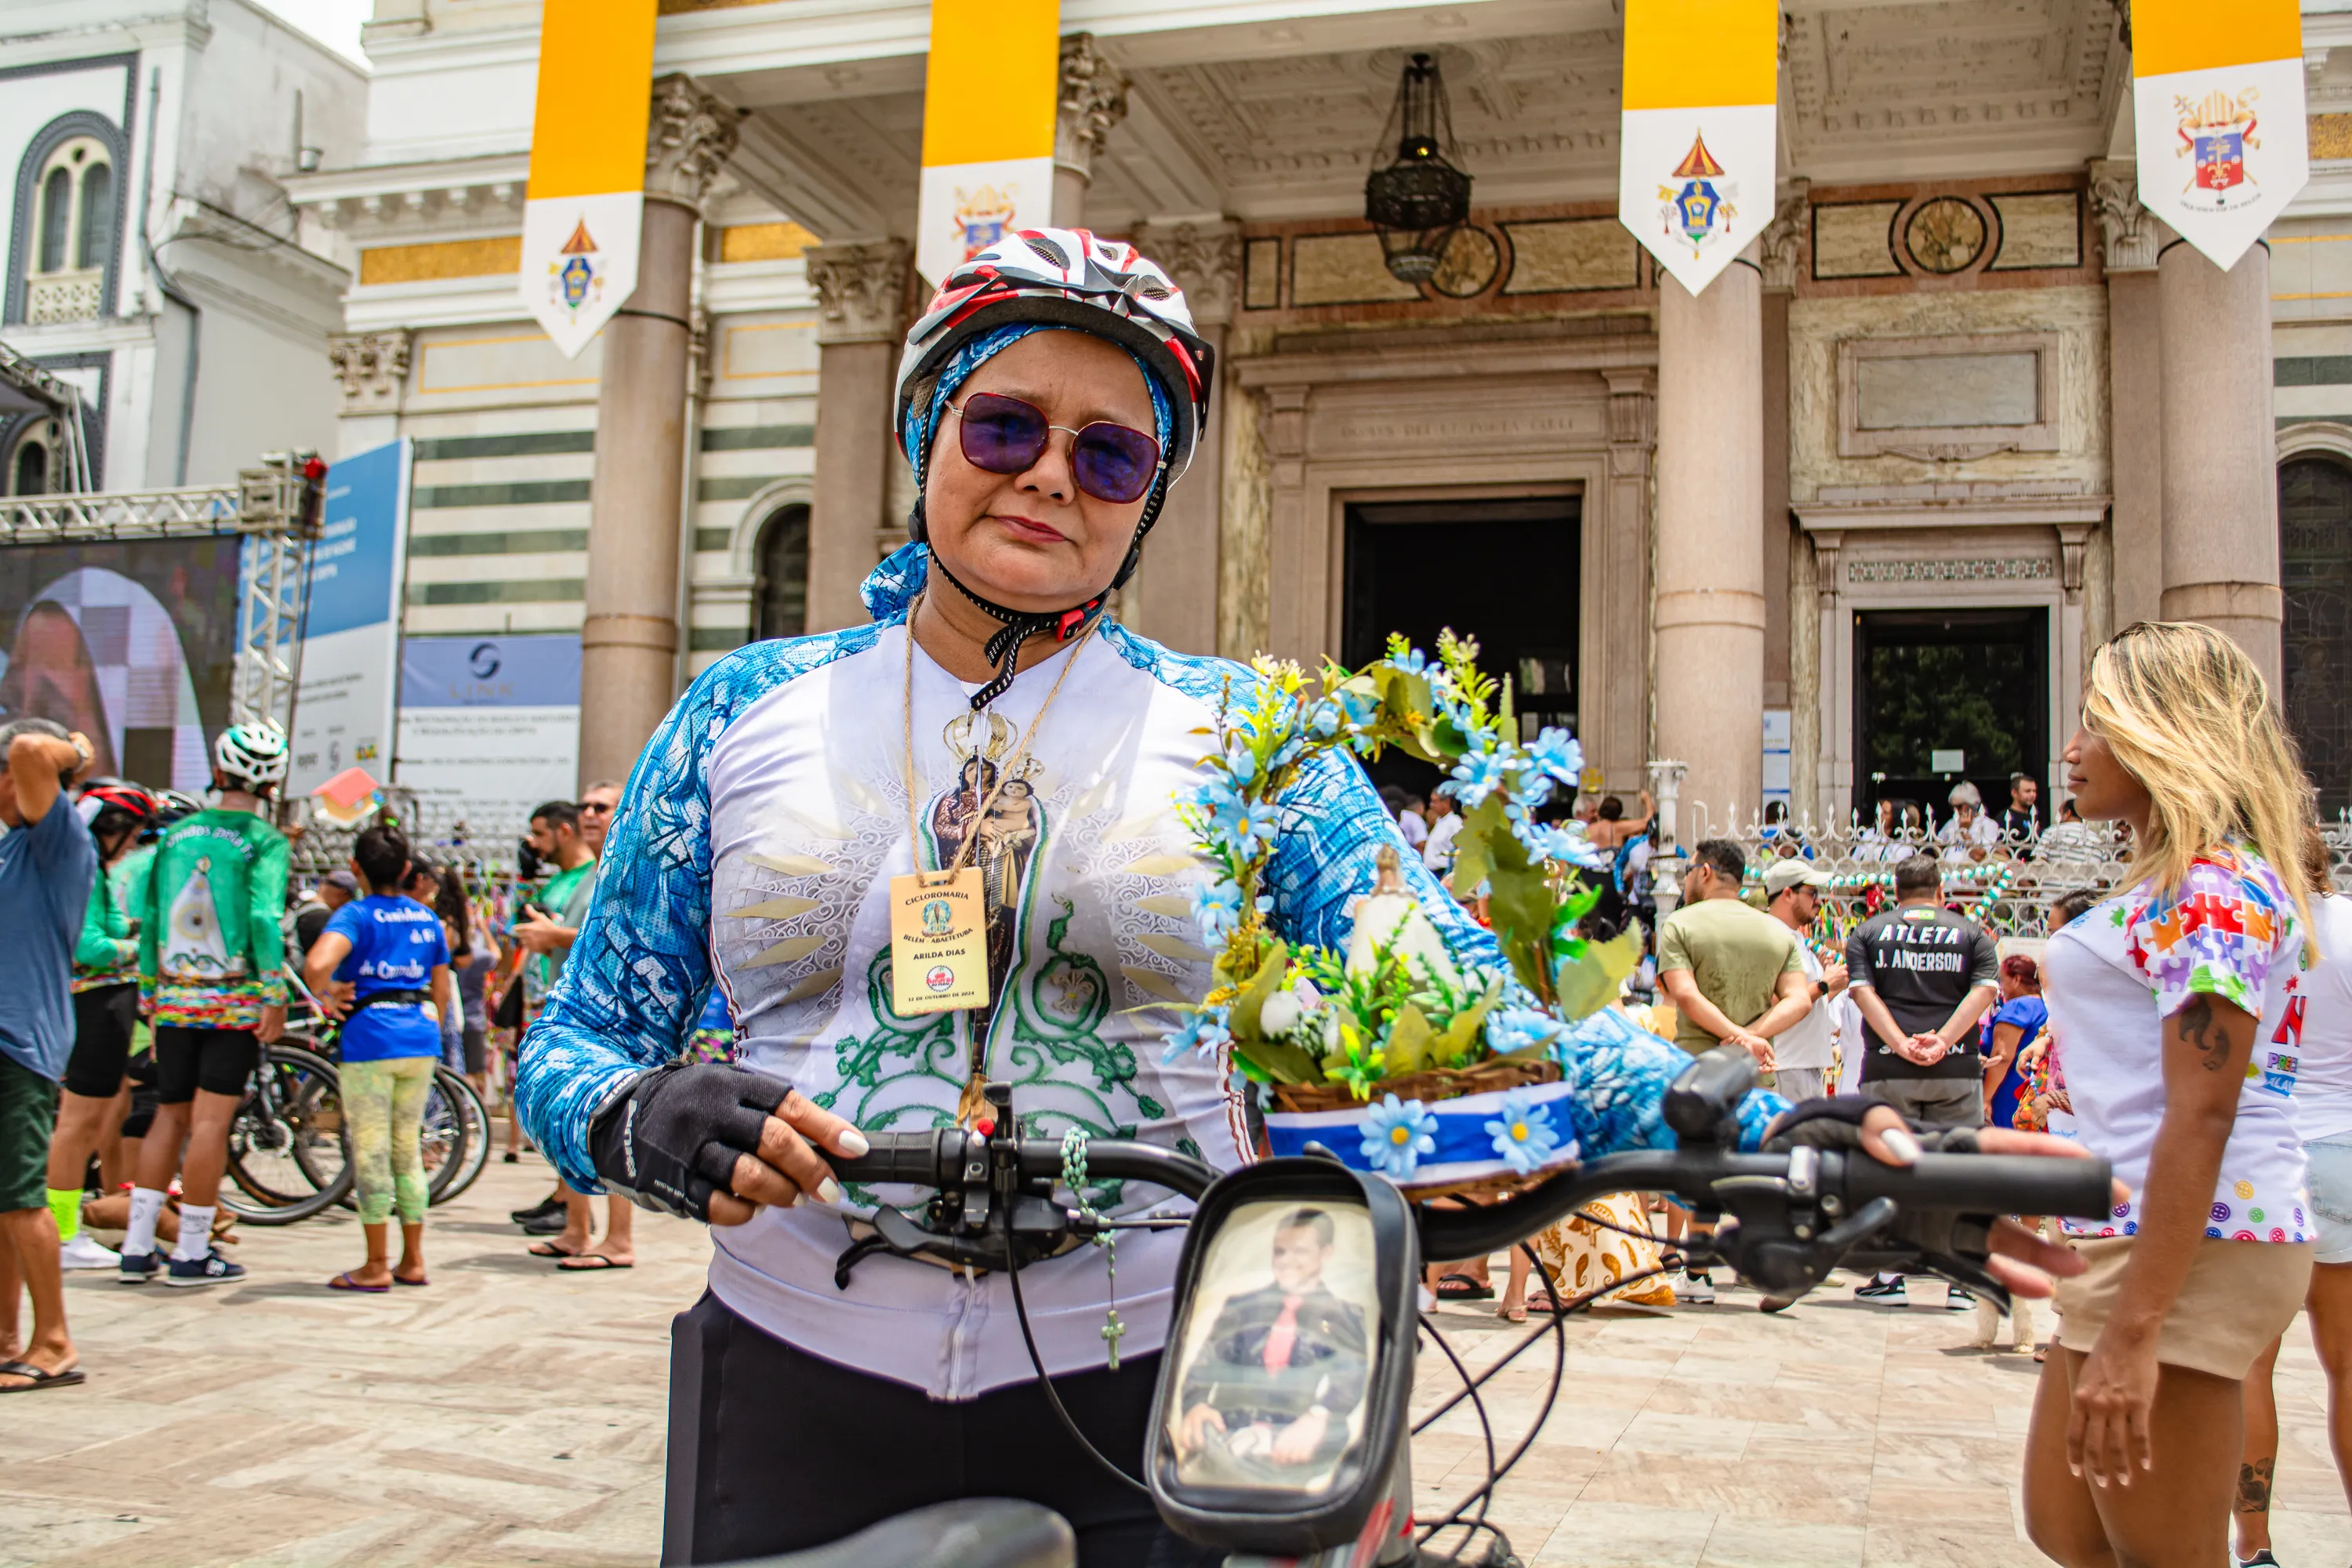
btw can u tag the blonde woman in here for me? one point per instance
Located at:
(2160, 997)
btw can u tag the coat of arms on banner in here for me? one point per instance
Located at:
(2217, 131)
(1698, 208)
(980, 218)
(576, 278)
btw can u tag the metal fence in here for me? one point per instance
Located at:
(2007, 885)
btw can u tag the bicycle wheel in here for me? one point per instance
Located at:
(454, 1137)
(285, 1159)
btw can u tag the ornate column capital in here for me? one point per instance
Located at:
(689, 136)
(1633, 419)
(1205, 260)
(861, 291)
(1093, 99)
(1780, 248)
(2130, 234)
(371, 367)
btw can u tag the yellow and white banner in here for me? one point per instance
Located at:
(1697, 171)
(2216, 97)
(587, 194)
(989, 97)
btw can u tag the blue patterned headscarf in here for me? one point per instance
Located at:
(923, 423)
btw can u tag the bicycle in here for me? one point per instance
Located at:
(1784, 1220)
(287, 1158)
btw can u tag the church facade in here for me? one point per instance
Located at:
(1842, 528)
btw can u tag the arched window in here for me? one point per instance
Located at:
(32, 474)
(74, 232)
(780, 598)
(2316, 572)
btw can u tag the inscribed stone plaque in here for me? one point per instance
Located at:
(502, 362)
(1342, 269)
(1948, 392)
(1262, 275)
(1569, 254)
(2042, 229)
(1850, 240)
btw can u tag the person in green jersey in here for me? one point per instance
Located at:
(105, 987)
(211, 965)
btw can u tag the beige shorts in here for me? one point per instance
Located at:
(2238, 1297)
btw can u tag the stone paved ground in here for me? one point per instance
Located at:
(509, 1415)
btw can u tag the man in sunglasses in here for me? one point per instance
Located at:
(991, 729)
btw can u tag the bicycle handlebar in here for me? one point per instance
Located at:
(948, 1157)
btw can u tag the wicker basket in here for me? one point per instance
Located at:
(1429, 1088)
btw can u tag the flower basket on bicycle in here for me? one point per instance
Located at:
(1390, 1056)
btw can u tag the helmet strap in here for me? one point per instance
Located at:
(1003, 649)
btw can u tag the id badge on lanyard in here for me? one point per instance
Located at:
(939, 946)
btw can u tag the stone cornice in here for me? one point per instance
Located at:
(1439, 361)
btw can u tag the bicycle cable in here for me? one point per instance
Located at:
(1053, 1396)
(1485, 1428)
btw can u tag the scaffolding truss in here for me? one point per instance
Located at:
(275, 507)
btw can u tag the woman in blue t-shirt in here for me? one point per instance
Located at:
(2008, 1029)
(371, 968)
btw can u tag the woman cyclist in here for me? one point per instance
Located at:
(990, 720)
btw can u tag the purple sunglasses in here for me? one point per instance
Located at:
(1006, 435)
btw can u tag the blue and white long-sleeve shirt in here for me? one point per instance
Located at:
(753, 851)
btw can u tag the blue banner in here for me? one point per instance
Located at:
(355, 565)
(528, 671)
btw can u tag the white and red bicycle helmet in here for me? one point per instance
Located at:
(1069, 278)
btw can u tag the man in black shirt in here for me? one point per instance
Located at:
(1922, 978)
(2021, 824)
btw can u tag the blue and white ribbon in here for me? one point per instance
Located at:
(1509, 1131)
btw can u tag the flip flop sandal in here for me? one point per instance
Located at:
(1517, 1314)
(344, 1281)
(549, 1250)
(40, 1379)
(412, 1284)
(589, 1262)
(1469, 1288)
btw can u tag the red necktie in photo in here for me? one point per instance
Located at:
(1280, 1337)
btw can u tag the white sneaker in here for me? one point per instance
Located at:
(84, 1251)
(1695, 1290)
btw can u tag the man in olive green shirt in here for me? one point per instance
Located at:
(1733, 972)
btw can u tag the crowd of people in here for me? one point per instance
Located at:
(161, 951)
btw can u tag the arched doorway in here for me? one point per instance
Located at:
(2315, 571)
(780, 596)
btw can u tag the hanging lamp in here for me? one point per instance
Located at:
(1420, 200)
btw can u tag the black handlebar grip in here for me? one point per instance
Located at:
(1119, 1160)
(1708, 1091)
(931, 1158)
(1985, 1184)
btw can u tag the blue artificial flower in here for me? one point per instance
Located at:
(1358, 708)
(1514, 1029)
(1241, 763)
(1557, 755)
(1396, 1136)
(1217, 906)
(1412, 661)
(1203, 1032)
(1324, 720)
(1565, 843)
(1477, 776)
(1211, 794)
(1523, 1133)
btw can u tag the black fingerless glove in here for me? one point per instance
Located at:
(1835, 1122)
(1951, 1243)
(672, 1141)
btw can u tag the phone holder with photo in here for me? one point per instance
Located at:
(1278, 1422)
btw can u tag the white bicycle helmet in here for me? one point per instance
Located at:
(252, 754)
(1069, 278)
(1061, 278)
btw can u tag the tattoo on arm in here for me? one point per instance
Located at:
(2204, 1033)
(2254, 1487)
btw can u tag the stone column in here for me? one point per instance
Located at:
(1613, 702)
(2131, 237)
(1780, 255)
(1709, 610)
(2221, 454)
(861, 296)
(372, 367)
(1173, 598)
(629, 637)
(1094, 99)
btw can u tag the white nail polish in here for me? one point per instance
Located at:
(851, 1143)
(1902, 1145)
(828, 1191)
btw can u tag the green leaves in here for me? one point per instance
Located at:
(1267, 1060)
(1590, 982)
